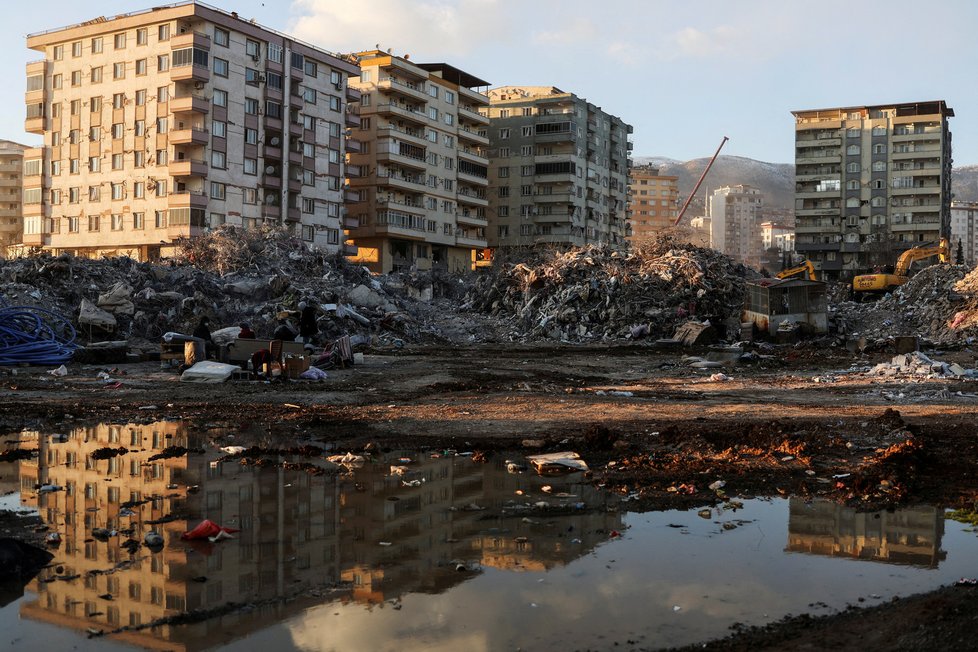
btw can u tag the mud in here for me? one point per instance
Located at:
(661, 435)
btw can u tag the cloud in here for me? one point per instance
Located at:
(425, 28)
(573, 33)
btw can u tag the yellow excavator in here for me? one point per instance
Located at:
(806, 268)
(886, 282)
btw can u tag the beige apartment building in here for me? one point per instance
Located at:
(653, 201)
(419, 180)
(559, 172)
(163, 123)
(11, 195)
(870, 182)
(964, 220)
(735, 222)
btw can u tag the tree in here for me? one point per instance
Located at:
(959, 256)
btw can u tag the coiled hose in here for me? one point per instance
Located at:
(32, 335)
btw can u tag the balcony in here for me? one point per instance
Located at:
(402, 181)
(176, 231)
(413, 136)
(190, 40)
(916, 152)
(466, 196)
(190, 73)
(477, 98)
(555, 198)
(469, 135)
(188, 168)
(464, 177)
(193, 135)
(190, 104)
(473, 155)
(351, 196)
(353, 94)
(470, 241)
(350, 222)
(404, 160)
(187, 199)
(803, 158)
(271, 181)
(352, 119)
(417, 117)
(555, 137)
(472, 115)
(916, 190)
(471, 219)
(407, 89)
(353, 146)
(402, 205)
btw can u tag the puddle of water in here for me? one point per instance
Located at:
(411, 551)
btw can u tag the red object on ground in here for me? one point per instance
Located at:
(206, 530)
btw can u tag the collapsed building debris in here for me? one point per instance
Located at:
(595, 293)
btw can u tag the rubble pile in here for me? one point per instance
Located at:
(231, 276)
(918, 365)
(594, 293)
(939, 303)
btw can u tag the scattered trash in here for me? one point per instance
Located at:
(557, 462)
(206, 530)
(719, 484)
(60, 371)
(719, 378)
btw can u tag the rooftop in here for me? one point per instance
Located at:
(903, 108)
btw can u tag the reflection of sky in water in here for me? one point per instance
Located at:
(596, 592)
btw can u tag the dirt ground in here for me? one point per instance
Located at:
(802, 421)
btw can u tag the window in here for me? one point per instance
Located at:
(251, 136)
(308, 205)
(219, 160)
(526, 131)
(503, 113)
(141, 97)
(140, 127)
(309, 95)
(219, 129)
(251, 76)
(220, 67)
(526, 191)
(220, 98)
(249, 195)
(160, 219)
(311, 68)
(222, 37)
(94, 193)
(449, 119)
(309, 151)
(138, 220)
(251, 166)
(96, 75)
(119, 41)
(433, 113)
(253, 49)
(118, 100)
(117, 161)
(852, 168)
(161, 157)
(852, 150)
(59, 52)
(76, 78)
(97, 45)
(504, 133)
(448, 141)
(76, 49)
(139, 189)
(95, 104)
(526, 171)
(879, 148)
(94, 164)
(93, 222)
(274, 80)
(297, 61)
(218, 190)
(162, 125)
(503, 172)
(161, 189)
(190, 57)
(251, 106)
(449, 163)
(73, 224)
(118, 191)
(504, 191)
(502, 231)
(879, 166)
(163, 62)
(449, 97)
(55, 171)
(526, 150)
(36, 82)
(139, 159)
(335, 104)
(527, 110)
(74, 166)
(140, 67)
(852, 185)
(274, 53)
(163, 33)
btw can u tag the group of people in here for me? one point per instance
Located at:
(308, 329)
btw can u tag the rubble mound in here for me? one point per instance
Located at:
(594, 293)
(939, 303)
(231, 276)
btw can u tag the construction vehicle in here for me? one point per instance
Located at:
(806, 267)
(867, 283)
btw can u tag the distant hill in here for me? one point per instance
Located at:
(775, 180)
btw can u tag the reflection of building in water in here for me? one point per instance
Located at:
(909, 536)
(297, 531)
(287, 536)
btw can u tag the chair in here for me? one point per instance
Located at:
(264, 364)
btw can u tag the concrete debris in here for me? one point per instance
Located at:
(918, 365)
(594, 293)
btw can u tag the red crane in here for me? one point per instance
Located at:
(698, 183)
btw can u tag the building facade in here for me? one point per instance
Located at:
(963, 217)
(419, 181)
(11, 195)
(870, 182)
(559, 171)
(653, 201)
(735, 222)
(163, 123)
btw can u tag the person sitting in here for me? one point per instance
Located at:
(203, 332)
(246, 333)
(284, 332)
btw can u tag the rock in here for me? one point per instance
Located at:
(363, 296)
(91, 315)
(118, 300)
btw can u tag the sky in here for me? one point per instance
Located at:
(684, 74)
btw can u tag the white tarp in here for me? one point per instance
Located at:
(208, 371)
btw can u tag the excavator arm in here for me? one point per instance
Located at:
(908, 257)
(807, 268)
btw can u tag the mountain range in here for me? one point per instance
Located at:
(775, 180)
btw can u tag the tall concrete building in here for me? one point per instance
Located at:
(870, 182)
(653, 201)
(11, 194)
(420, 179)
(735, 222)
(559, 172)
(964, 223)
(163, 123)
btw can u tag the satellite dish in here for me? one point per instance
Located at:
(275, 141)
(270, 169)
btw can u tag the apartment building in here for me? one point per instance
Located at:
(559, 171)
(419, 180)
(11, 194)
(870, 182)
(163, 123)
(653, 201)
(735, 222)
(963, 223)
